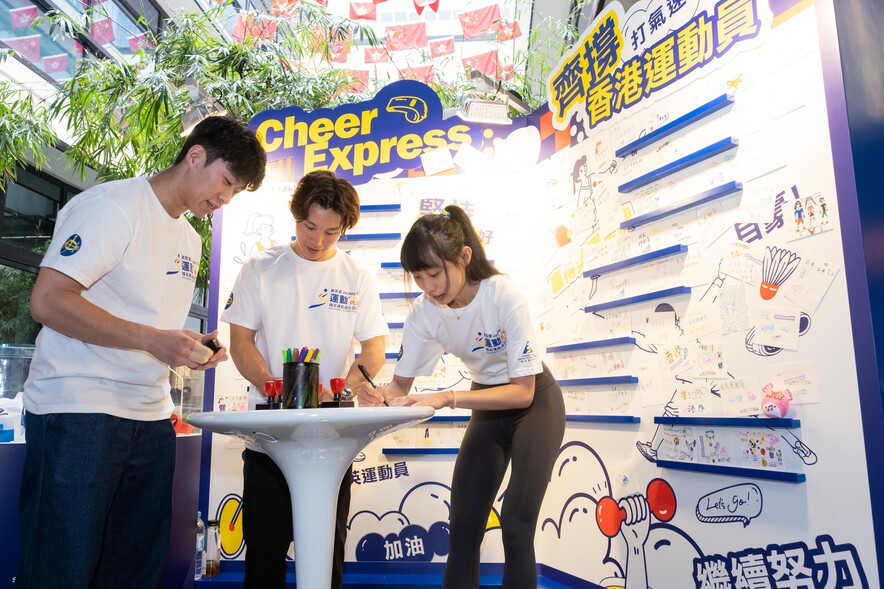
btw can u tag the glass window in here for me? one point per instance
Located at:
(16, 325)
(55, 57)
(30, 208)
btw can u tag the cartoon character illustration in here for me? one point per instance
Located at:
(583, 187)
(624, 546)
(262, 226)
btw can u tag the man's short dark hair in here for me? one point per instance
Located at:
(329, 192)
(230, 140)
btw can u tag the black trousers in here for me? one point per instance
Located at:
(531, 438)
(267, 523)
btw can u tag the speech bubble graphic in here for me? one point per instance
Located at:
(739, 503)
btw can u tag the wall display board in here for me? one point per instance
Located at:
(673, 217)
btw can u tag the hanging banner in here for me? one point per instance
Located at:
(358, 141)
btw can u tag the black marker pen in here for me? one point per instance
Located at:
(369, 381)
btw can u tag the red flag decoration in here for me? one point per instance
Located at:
(507, 71)
(52, 64)
(363, 11)
(339, 47)
(284, 8)
(376, 55)
(419, 5)
(137, 42)
(253, 26)
(507, 31)
(423, 73)
(440, 47)
(323, 3)
(400, 37)
(358, 83)
(103, 31)
(23, 17)
(478, 22)
(484, 62)
(27, 47)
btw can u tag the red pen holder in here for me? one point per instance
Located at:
(300, 385)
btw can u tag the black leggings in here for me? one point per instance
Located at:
(531, 438)
(267, 523)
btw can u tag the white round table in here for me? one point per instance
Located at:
(313, 448)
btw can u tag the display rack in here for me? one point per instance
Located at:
(737, 471)
(784, 422)
(463, 418)
(636, 260)
(400, 295)
(683, 205)
(389, 208)
(370, 236)
(602, 343)
(699, 113)
(413, 451)
(650, 296)
(597, 380)
(754, 422)
(680, 164)
(593, 418)
(604, 418)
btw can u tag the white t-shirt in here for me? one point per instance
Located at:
(492, 335)
(135, 262)
(295, 303)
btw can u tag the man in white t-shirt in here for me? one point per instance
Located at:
(113, 293)
(305, 294)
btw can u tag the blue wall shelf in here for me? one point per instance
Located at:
(584, 418)
(414, 451)
(391, 265)
(680, 206)
(396, 325)
(370, 236)
(701, 112)
(736, 471)
(680, 164)
(576, 382)
(636, 260)
(660, 294)
(605, 418)
(730, 421)
(380, 208)
(400, 295)
(602, 343)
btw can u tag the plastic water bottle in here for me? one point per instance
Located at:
(199, 565)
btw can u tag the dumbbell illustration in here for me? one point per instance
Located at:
(661, 501)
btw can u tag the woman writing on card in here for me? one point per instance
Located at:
(472, 311)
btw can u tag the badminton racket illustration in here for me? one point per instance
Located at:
(777, 266)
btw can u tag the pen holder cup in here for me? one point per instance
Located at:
(300, 385)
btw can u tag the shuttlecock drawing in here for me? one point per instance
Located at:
(777, 266)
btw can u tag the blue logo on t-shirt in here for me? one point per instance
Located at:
(71, 245)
